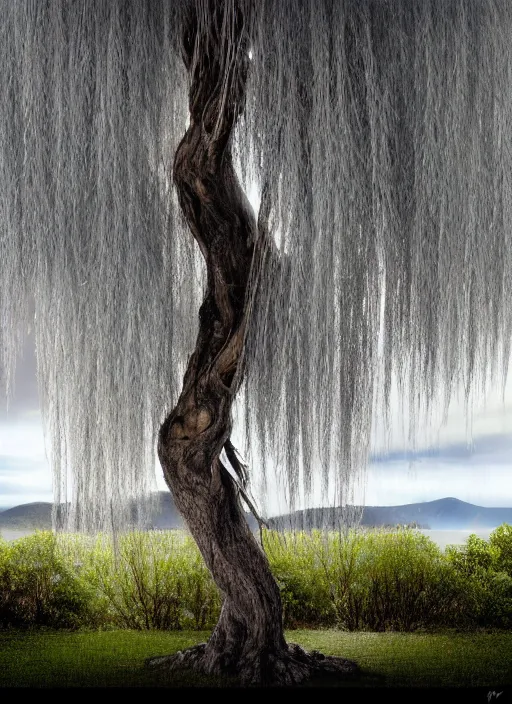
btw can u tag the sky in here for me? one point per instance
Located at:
(443, 464)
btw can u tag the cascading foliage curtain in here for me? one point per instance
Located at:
(378, 132)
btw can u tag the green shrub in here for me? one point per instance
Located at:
(358, 580)
(388, 581)
(380, 580)
(501, 541)
(475, 557)
(38, 587)
(8, 596)
(487, 586)
(156, 580)
(298, 562)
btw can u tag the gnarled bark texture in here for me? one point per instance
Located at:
(248, 640)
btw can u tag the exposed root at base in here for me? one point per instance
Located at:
(291, 667)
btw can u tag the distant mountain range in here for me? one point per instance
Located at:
(443, 514)
(38, 515)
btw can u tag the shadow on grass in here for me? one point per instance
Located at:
(364, 678)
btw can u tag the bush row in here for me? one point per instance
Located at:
(371, 580)
(393, 580)
(154, 580)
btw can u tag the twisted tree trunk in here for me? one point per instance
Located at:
(248, 640)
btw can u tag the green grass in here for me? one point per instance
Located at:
(116, 658)
(104, 659)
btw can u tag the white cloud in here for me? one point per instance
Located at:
(489, 412)
(10, 500)
(23, 440)
(24, 470)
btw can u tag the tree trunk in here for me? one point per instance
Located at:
(248, 640)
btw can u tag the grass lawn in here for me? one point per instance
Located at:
(116, 658)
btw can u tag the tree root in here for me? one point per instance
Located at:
(290, 667)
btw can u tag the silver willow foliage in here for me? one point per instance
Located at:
(378, 132)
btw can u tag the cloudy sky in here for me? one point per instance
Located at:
(442, 465)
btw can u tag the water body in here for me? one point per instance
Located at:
(455, 537)
(14, 534)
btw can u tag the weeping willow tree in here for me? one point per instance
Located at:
(378, 134)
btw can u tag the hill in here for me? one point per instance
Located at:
(33, 516)
(442, 514)
(37, 515)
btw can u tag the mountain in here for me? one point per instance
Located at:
(34, 515)
(165, 515)
(442, 514)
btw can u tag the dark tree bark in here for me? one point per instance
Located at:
(248, 641)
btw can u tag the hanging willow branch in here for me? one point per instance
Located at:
(378, 135)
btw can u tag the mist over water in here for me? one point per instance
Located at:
(442, 538)
(15, 534)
